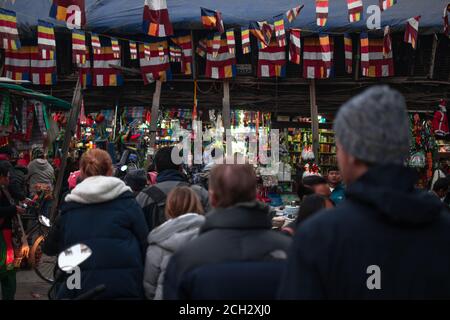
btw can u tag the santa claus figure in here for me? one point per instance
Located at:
(440, 120)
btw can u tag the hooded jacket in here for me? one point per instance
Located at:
(238, 234)
(163, 242)
(102, 213)
(40, 171)
(387, 240)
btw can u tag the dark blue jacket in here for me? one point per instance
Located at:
(338, 194)
(116, 232)
(384, 222)
(235, 256)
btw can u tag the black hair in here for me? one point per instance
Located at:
(309, 206)
(163, 160)
(4, 168)
(440, 184)
(313, 180)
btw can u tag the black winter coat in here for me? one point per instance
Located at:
(387, 240)
(116, 232)
(230, 238)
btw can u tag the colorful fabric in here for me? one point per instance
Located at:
(317, 57)
(175, 53)
(280, 32)
(272, 61)
(46, 39)
(185, 43)
(147, 52)
(212, 20)
(231, 42)
(5, 110)
(115, 48)
(103, 75)
(17, 64)
(156, 19)
(245, 38)
(295, 46)
(202, 48)
(96, 44)
(355, 9)
(321, 12)
(6, 250)
(133, 50)
(59, 10)
(412, 31)
(43, 71)
(348, 47)
(223, 64)
(155, 67)
(79, 49)
(216, 43)
(39, 115)
(256, 31)
(387, 42)
(386, 4)
(373, 63)
(85, 74)
(9, 36)
(291, 14)
(267, 30)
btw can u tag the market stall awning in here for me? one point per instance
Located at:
(25, 92)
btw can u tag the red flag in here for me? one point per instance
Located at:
(155, 67)
(295, 46)
(9, 36)
(373, 62)
(412, 31)
(272, 61)
(185, 43)
(156, 19)
(222, 65)
(348, 44)
(321, 12)
(291, 14)
(355, 9)
(317, 58)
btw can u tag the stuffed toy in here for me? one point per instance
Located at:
(440, 120)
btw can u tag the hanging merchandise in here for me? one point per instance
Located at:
(280, 32)
(156, 19)
(272, 61)
(223, 64)
(317, 57)
(387, 42)
(295, 46)
(79, 49)
(373, 64)
(311, 170)
(39, 116)
(355, 9)
(231, 43)
(155, 67)
(212, 20)
(115, 48)
(103, 74)
(308, 153)
(348, 45)
(412, 31)
(291, 14)
(46, 40)
(386, 4)
(60, 10)
(321, 12)
(133, 50)
(185, 43)
(245, 38)
(440, 120)
(43, 71)
(17, 64)
(9, 36)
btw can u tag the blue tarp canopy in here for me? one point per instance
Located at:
(125, 16)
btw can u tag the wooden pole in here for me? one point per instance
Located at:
(226, 105)
(70, 131)
(314, 119)
(155, 112)
(194, 56)
(433, 56)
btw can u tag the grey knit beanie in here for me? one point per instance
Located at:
(374, 126)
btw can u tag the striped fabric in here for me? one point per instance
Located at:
(156, 19)
(17, 64)
(103, 75)
(133, 50)
(412, 31)
(59, 10)
(185, 43)
(46, 39)
(387, 42)
(321, 12)
(222, 65)
(202, 48)
(231, 42)
(9, 36)
(115, 47)
(154, 67)
(355, 9)
(291, 14)
(272, 61)
(348, 47)
(85, 74)
(43, 71)
(175, 53)
(280, 32)
(245, 38)
(373, 63)
(295, 46)
(96, 45)
(386, 4)
(79, 49)
(216, 43)
(317, 57)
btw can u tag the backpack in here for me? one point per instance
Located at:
(154, 213)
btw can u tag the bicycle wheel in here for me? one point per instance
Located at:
(42, 264)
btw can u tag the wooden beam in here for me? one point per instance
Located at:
(433, 56)
(155, 113)
(314, 119)
(226, 105)
(70, 131)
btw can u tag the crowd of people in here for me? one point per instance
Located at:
(157, 236)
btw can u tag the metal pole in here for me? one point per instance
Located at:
(314, 119)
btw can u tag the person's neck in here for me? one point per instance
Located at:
(333, 185)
